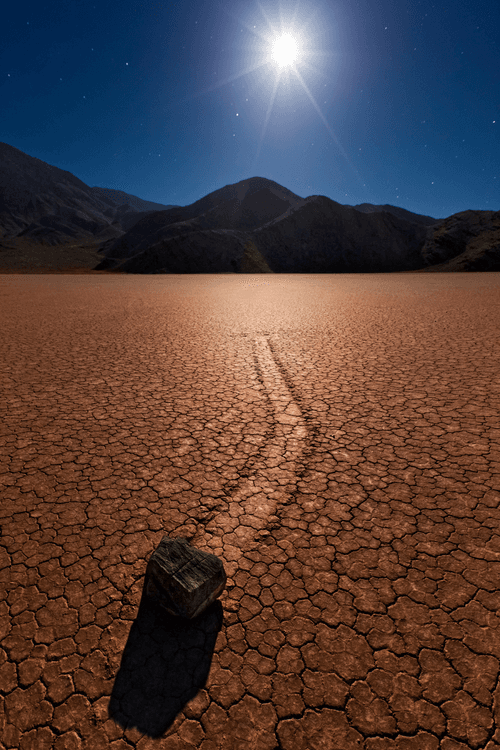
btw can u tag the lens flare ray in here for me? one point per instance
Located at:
(284, 49)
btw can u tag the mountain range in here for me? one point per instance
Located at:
(52, 221)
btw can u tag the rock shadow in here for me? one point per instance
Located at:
(165, 663)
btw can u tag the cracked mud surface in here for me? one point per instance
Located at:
(334, 439)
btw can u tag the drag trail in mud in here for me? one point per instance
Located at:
(334, 439)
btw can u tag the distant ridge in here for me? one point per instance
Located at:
(120, 198)
(51, 219)
(369, 208)
(260, 219)
(42, 203)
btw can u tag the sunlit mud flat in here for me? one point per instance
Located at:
(333, 439)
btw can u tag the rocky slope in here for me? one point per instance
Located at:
(313, 235)
(325, 237)
(253, 226)
(369, 208)
(49, 205)
(467, 241)
(193, 231)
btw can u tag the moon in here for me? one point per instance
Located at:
(285, 50)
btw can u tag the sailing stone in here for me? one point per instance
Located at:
(182, 579)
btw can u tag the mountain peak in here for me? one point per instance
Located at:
(253, 225)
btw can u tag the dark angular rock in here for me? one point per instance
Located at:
(182, 579)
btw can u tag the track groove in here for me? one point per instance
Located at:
(235, 531)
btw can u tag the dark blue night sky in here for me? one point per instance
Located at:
(388, 101)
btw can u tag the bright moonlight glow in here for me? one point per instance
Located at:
(285, 50)
(288, 49)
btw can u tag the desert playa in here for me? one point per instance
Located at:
(333, 439)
